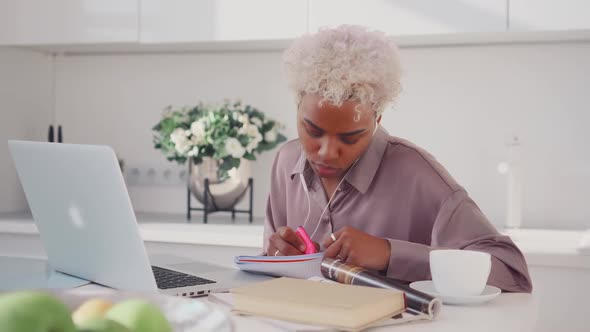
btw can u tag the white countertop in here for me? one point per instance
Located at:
(556, 248)
(541, 247)
(237, 235)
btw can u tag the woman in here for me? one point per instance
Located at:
(368, 198)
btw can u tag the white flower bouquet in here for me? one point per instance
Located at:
(226, 133)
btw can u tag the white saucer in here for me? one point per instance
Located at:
(427, 286)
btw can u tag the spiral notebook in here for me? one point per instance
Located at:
(300, 266)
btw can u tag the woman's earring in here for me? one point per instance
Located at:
(357, 115)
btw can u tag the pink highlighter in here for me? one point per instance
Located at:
(309, 246)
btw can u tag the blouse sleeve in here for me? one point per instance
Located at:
(460, 224)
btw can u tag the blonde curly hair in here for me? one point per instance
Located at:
(345, 63)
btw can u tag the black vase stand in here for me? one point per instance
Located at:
(209, 203)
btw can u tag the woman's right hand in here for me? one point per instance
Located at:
(285, 242)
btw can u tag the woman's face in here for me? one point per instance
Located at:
(330, 136)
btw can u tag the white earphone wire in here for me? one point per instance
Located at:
(330, 200)
(333, 194)
(302, 178)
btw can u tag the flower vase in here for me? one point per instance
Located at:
(224, 195)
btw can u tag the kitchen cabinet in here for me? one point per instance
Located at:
(527, 15)
(164, 21)
(135, 26)
(38, 22)
(411, 17)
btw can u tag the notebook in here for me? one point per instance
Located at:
(299, 266)
(227, 301)
(345, 307)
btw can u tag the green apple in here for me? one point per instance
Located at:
(101, 324)
(139, 316)
(34, 311)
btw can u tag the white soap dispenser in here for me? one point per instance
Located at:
(513, 170)
(584, 245)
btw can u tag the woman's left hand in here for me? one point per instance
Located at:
(358, 248)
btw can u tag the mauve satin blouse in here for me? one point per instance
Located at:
(399, 192)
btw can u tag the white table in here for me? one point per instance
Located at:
(556, 304)
(508, 312)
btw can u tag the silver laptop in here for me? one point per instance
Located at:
(80, 204)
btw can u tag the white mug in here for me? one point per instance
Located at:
(460, 272)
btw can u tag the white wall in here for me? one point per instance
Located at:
(25, 113)
(461, 103)
(116, 100)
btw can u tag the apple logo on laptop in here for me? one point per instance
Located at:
(76, 216)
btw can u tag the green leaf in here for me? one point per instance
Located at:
(267, 126)
(281, 138)
(227, 164)
(244, 140)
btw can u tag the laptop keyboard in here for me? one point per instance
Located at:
(166, 279)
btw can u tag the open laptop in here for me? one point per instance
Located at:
(80, 204)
